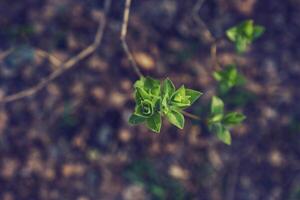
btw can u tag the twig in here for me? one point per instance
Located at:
(5, 53)
(206, 34)
(191, 115)
(66, 65)
(123, 38)
(53, 60)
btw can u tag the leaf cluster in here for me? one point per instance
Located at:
(244, 34)
(219, 122)
(228, 78)
(154, 101)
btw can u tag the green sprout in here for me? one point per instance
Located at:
(228, 78)
(219, 123)
(154, 101)
(244, 34)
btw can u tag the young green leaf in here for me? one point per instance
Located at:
(154, 101)
(247, 28)
(243, 34)
(179, 98)
(141, 94)
(149, 85)
(232, 33)
(258, 31)
(168, 87)
(193, 95)
(176, 118)
(228, 78)
(154, 122)
(241, 44)
(215, 118)
(222, 133)
(217, 106)
(135, 119)
(225, 136)
(233, 118)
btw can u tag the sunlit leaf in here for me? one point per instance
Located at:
(176, 118)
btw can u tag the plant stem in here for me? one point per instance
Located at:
(123, 39)
(191, 115)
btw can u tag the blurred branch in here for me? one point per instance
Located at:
(63, 66)
(123, 38)
(206, 34)
(4, 54)
(44, 54)
(191, 115)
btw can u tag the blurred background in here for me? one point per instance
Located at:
(71, 141)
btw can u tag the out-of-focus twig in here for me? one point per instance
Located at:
(53, 59)
(5, 53)
(63, 66)
(123, 38)
(207, 35)
(190, 115)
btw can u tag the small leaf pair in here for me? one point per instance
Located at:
(154, 101)
(244, 34)
(228, 78)
(219, 123)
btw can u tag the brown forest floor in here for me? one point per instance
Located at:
(71, 141)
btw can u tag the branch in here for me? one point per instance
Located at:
(206, 34)
(63, 66)
(191, 115)
(123, 38)
(53, 60)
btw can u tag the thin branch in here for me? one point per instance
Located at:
(123, 38)
(53, 60)
(66, 65)
(191, 115)
(206, 34)
(5, 53)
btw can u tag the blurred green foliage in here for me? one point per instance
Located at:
(244, 34)
(159, 186)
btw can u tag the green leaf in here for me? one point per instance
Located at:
(227, 78)
(243, 34)
(153, 86)
(179, 95)
(179, 98)
(168, 87)
(225, 136)
(218, 76)
(217, 106)
(176, 118)
(258, 31)
(154, 122)
(241, 44)
(145, 109)
(232, 33)
(135, 119)
(222, 133)
(215, 118)
(247, 28)
(149, 85)
(141, 94)
(193, 95)
(233, 118)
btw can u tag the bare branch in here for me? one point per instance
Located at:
(123, 38)
(5, 53)
(53, 60)
(64, 66)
